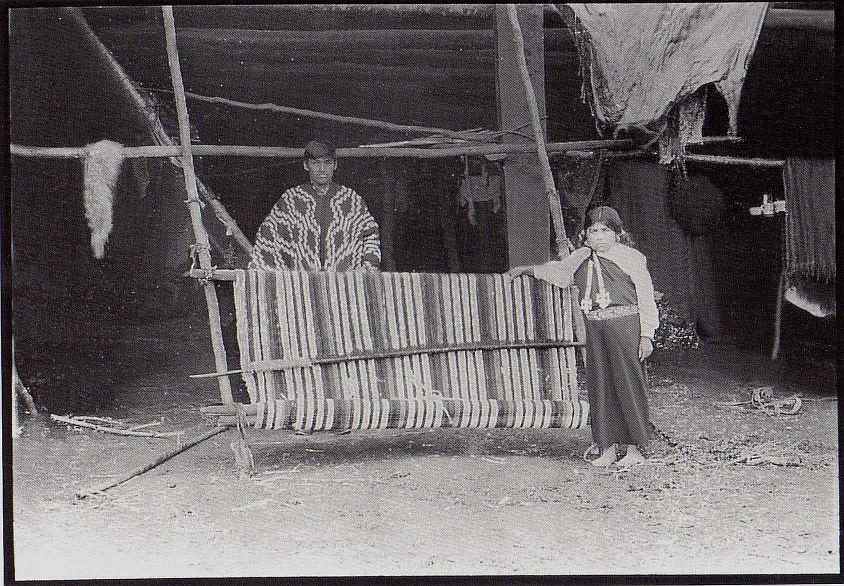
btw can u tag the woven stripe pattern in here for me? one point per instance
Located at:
(328, 317)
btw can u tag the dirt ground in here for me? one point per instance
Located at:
(432, 502)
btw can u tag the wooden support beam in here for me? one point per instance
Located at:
(202, 244)
(539, 136)
(204, 150)
(746, 161)
(527, 211)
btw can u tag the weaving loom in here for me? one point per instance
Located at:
(368, 350)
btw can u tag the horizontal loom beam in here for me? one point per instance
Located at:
(307, 362)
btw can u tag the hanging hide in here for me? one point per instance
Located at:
(102, 170)
(639, 61)
(684, 125)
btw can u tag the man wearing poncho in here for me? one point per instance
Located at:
(318, 225)
(621, 318)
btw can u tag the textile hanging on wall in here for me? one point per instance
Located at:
(640, 61)
(809, 186)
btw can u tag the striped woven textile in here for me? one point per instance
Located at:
(369, 350)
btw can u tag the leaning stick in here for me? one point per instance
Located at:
(114, 430)
(161, 459)
(547, 175)
(406, 128)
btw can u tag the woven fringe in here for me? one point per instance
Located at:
(102, 170)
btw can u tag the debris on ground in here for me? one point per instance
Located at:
(762, 398)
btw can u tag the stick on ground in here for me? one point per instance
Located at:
(161, 459)
(79, 422)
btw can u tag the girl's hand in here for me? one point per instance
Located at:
(518, 272)
(646, 347)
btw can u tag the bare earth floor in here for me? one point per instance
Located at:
(434, 502)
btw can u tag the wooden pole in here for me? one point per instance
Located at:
(539, 136)
(342, 153)
(160, 460)
(745, 161)
(202, 244)
(387, 229)
(775, 348)
(153, 122)
(405, 128)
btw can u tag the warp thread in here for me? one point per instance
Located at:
(102, 170)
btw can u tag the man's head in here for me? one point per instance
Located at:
(320, 162)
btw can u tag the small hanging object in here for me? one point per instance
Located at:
(479, 188)
(768, 207)
(102, 170)
(586, 302)
(467, 198)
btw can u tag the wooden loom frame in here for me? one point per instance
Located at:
(181, 154)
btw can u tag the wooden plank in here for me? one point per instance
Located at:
(203, 247)
(527, 212)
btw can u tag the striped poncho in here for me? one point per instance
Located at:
(306, 231)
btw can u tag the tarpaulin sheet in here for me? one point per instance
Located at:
(640, 60)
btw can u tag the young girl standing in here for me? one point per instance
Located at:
(617, 298)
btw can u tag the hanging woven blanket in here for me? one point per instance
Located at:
(809, 186)
(641, 63)
(367, 350)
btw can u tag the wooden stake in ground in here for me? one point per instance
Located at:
(161, 459)
(19, 390)
(539, 135)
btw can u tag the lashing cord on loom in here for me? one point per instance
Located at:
(207, 274)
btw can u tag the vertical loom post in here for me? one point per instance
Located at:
(539, 135)
(388, 259)
(203, 247)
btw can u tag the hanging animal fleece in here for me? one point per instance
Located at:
(361, 350)
(102, 171)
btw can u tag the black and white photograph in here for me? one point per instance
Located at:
(445, 291)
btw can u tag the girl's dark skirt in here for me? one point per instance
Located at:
(618, 391)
